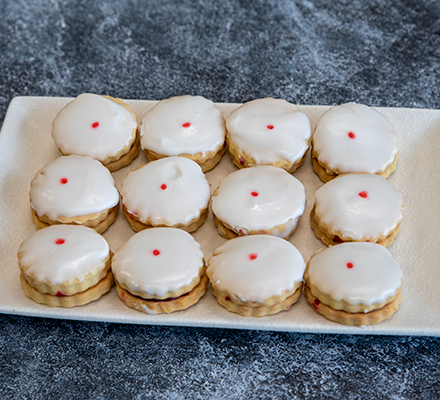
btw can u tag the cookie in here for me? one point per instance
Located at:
(74, 190)
(101, 127)
(258, 200)
(170, 192)
(354, 283)
(186, 126)
(65, 266)
(160, 270)
(268, 132)
(357, 208)
(353, 138)
(256, 275)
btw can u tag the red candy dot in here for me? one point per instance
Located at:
(227, 298)
(163, 186)
(186, 125)
(60, 241)
(270, 127)
(252, 256)
(351, 135)
(156, 252)
(63, 181)
(363, 194)
(255, 194)
(241, 161)
(95, 124)
(349, 265)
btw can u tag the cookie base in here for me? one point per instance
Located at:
(332, 238)
(242, 160)
(327, 175)
(78, 299)
(68, 288)
(228, 233)
(354, 319)
(153, 307)
(191, 226)
(261, 311)
(207, 162)
(170, 294)
(91, 222)
(126, 158)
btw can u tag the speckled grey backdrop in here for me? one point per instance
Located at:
(380, 53)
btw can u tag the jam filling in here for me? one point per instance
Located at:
(337, 239)
(167, 299)
(315, 304)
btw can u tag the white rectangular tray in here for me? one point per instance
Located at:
(26, 145)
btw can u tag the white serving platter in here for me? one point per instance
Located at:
(26, 145)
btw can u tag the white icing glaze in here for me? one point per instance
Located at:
(280, 201)
(341, 207)
(89, 189)
(287, 137)
(373, 148)
(177, 264)
(373, 277)
(186, 194)
(254, 268)
(162, 129)
(73, 132)
(83, 252)
(148, 311)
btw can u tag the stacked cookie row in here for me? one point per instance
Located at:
(260, 200)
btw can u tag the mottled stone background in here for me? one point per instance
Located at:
(380, 53)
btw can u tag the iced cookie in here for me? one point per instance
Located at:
(186, 126)
(65, 266)
(354, 138)
(74, 190)
(256, 275)
(268, 132)
(357, 208)
(259, 200)
(101, 127)
(160, 270)
(354, 283)
(170, 192)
